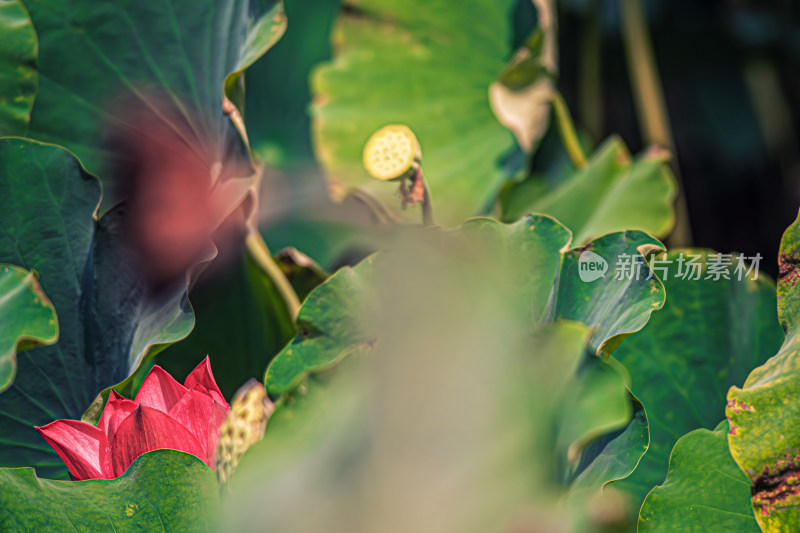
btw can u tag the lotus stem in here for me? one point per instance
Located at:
(567, 129)
(650, 104)
(420, 194)
(378, 211)
(261, 255)
(427, 209)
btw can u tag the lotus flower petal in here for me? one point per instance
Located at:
(203, 376)
(148, 429)
(81, 446)
(218, 416)
(164, 414)
(193, 411)
(116, 410)
(203, 417)
(159, 390)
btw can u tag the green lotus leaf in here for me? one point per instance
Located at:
(18, 77)
(96, 60)
(614, 455)
(164, 490)
(330, 327)
(597, 402)
(426, 65)
(709, 335)
(612, 193)
(764, 437)
(28, 318)
(108, 324)
(705, 491)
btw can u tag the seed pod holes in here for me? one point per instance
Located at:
(390, 152)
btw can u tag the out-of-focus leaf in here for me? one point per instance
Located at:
(468, 374)
(108, 324)
(428, 65)
(356, 451)
(533, 253)
(704, 491)
(708, 336)
(242, 322)
(27, 317)
(91, 54)
(18, 77)
(520, 98)
(764, 437)
(611, 194)
(164, 490)
(540, 283)
(335, 320)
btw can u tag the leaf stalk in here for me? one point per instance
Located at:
(567, 129)
(261, 255)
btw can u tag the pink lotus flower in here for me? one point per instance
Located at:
(164, 414)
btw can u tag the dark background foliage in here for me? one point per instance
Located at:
(731, 81)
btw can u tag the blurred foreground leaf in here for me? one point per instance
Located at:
(532, 253)
(427, 432)
(460, 415)
(462, 302)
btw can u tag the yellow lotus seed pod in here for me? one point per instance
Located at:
(243, 427)
(390, 152)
